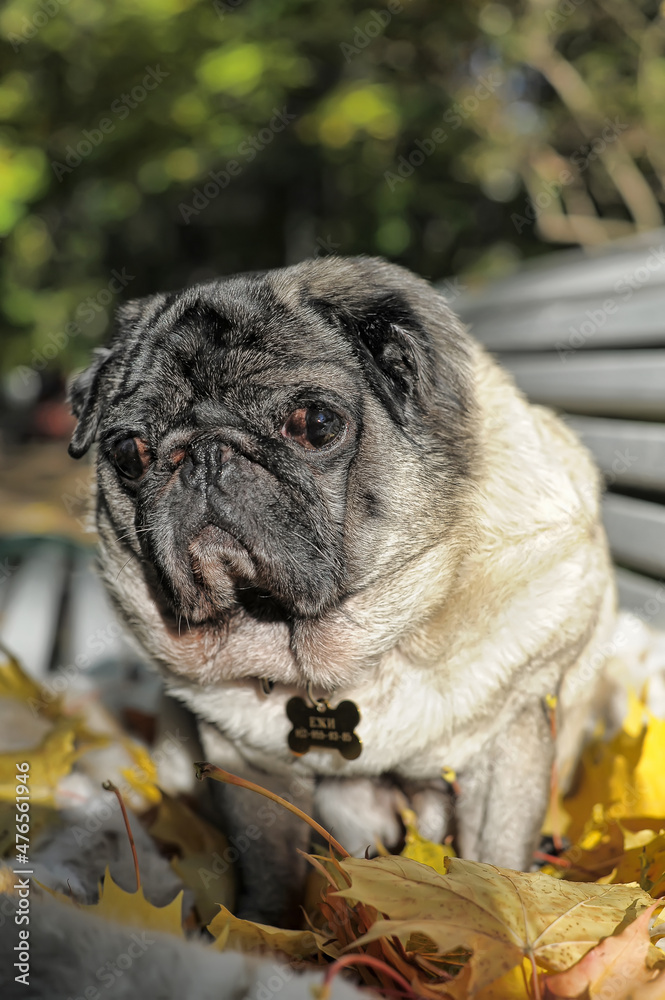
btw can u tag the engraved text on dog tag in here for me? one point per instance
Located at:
(324, 728)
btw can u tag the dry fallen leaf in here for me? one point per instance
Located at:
(644, 864)
(142, 778)
(202, 855)
(625, 774)
(501, 916)
(448, 928)
(655, 990)
(54, 755)
(244, 935)
(515, 985)
(50, 760)
(133, 909)
(615, 967)
(418, 848)
(609, 851)
(129, 908)
(176, 823)
(16, 684)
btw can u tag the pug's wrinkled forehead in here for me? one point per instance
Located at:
(229, 353)
(333, 327)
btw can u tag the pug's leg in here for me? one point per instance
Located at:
(433, 805)
(267, 839)
(504, 793)
(360, 811)
(265, 835)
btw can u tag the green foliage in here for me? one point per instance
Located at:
(174, 140)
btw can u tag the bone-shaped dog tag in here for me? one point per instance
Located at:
(324, 728)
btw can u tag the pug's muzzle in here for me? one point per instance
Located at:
(212, 527)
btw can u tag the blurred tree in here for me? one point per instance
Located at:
(151, 143)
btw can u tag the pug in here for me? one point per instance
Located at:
(355, 551)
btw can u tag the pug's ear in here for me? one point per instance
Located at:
(392, 346)
(83, 389)
(83, 396)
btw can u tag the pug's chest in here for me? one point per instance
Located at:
(406, 727)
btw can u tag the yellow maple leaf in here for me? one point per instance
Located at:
(245, 935)
(54, 756)
(177, 824)
(644, 863)
(501, 916)
(420, 849)
(647, 796)
(134, 910)
(515, 985)
(204, 862)
(131, 909)
(50, 760)
(624, 775)
(143, 777)
(615, 967)
(7, 880)
(15, 683)
(610, 851)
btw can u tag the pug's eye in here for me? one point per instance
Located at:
(130, 457)
(313, 426)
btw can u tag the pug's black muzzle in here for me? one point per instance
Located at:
(224, 522)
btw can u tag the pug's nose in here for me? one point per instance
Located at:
(203, 461)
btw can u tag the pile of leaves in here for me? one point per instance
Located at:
(423, 924)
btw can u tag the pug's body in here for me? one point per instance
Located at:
(315, 477)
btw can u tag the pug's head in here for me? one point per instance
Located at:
(271, 445)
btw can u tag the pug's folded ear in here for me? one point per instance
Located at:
(83, 396)
(83, 391)
(391, 344)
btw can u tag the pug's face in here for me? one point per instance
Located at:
(272, 444)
